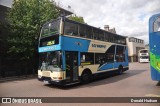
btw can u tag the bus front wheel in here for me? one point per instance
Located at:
(86, 77)
(120, 70)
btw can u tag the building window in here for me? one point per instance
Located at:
(142, 41)
(156, 25)
(131, 40)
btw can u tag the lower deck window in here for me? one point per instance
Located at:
(87, 58)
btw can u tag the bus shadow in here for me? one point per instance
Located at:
(54, 86)
(158, 84)
(102, 79)
(107, 79)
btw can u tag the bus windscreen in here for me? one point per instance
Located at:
(48, 41)
(50, 28)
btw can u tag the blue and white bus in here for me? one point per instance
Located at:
(154, 43)
(72, 52)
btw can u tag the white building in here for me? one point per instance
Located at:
(134, 45)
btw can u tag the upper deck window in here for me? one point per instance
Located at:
(96, 34)
(101, 35)
(111, 38)
(85, 31)
(156, 25)
(82, 30)
(106, 37)
(50, 28)
(89, 32)
(70, 28)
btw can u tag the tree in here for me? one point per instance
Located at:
(25, 18)
(76, 18)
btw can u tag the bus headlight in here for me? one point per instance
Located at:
(39, 76)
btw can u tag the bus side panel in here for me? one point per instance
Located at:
(154, 74)
(155, 66)
(154, 38)
(117, 64)
(93, 68)
(158, 76)
(155, 43)
(75, 44)
(106, 66)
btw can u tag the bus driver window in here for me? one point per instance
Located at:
(156, 26)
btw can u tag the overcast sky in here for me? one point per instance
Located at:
(6, 3)
(129, 17)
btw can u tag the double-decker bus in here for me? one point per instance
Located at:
(154, 43)
(143, 56)
(72, 52)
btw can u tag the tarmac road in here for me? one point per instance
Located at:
(136, 82)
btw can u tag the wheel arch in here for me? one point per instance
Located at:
(86, 70)
(120, 66)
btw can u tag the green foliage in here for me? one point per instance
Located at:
(25, 18)
(77, 19)
(3, 35)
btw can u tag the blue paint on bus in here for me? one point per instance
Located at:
(74, 44)
(154, 43)
(49, 48)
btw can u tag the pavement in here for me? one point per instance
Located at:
(136, 82)
(14, 78)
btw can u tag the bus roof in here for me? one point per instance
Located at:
(155, 15)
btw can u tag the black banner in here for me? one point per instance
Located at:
(79, 99)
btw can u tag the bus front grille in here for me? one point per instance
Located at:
(46, 78)
(46, 73)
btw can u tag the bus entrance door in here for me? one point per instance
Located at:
(71, 66)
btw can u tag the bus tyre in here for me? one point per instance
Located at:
(120, 70)
(86, 77)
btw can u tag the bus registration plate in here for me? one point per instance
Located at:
(46, 82)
